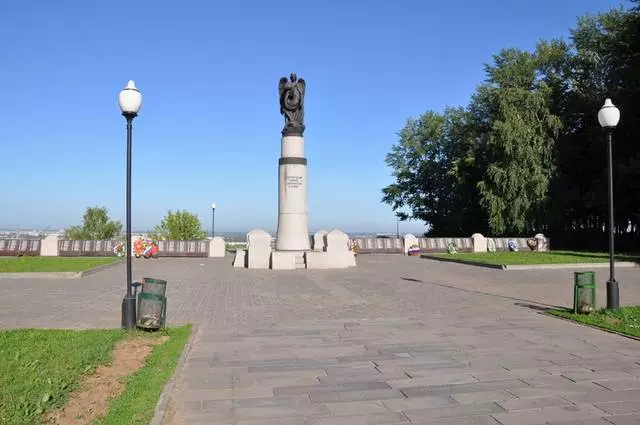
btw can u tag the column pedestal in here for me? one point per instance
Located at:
(293, 231)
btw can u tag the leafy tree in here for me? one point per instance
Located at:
(95, 226)
(518, 145)
(179, 226)
(527, 154)
(429, 163)
(603, 63)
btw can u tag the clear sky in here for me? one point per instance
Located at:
(209, 128)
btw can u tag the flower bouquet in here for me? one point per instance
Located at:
(355, 247)
(414, 250)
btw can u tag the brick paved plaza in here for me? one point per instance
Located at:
(396, 340)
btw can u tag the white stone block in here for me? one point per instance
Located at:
(316, 260)
(336, 241)
(49, 246)
(338, 260)
(337, 247)
(318, 240)
(217, 247)
(409, 240)
(543, 242)
(283, 260)
(239, 259)
(479, 242)
(258, 249)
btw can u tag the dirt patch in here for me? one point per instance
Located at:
(92, 399)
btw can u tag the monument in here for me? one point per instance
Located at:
(292, 245)
(293, 232)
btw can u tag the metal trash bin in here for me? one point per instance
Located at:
(584, 292)
(152, 304)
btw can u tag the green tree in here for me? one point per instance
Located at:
(603, 62)
(96, 225)
(527, 154)
(179, 226)
(518, 144)
(430, 164)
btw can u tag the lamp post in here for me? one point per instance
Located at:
(213, 219)
(608, 117)
(130, 101)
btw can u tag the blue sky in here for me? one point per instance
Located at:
(209, 128)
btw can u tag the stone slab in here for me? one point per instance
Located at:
(283, 260)
(217, 247)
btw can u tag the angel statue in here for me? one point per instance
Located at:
(292, 104)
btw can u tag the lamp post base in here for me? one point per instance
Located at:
(613, 295)
(128, 312)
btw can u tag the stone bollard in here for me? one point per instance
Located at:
(479, 242)
(337, 248)
(543, 242)
(239, 261)
(49, 246)
(318, 240)
(258, 249)
(217, 247)
(408, 241)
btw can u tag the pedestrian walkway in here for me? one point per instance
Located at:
(396, 340)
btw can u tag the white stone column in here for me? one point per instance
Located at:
(258, 249)
(543, 242)
(293, 231)
(408, 241)
(479, 242)
(217, 247)
(49, 246)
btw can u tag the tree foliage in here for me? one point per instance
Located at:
(96, 225)
(527, 154)
(179, 226)
(431, 163)
(518, 145)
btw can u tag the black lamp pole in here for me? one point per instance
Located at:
(129, 301)
(613, 292)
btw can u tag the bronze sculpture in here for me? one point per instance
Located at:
(292, 104)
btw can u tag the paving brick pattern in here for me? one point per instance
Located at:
(395, 341)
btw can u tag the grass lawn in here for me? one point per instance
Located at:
(626, 320)
(40, 368)
(136, 406)
(51, 264)
(534, 257)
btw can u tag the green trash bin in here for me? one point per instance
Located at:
(152, 304)
(584, 292)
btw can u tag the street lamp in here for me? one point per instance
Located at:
(608, 117)
(130, 100)
(213, 219)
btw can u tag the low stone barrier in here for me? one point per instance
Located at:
(52, 246)
(183, 248)
(69, 248)
(380, 245)
(15, 247)
(440, 244)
